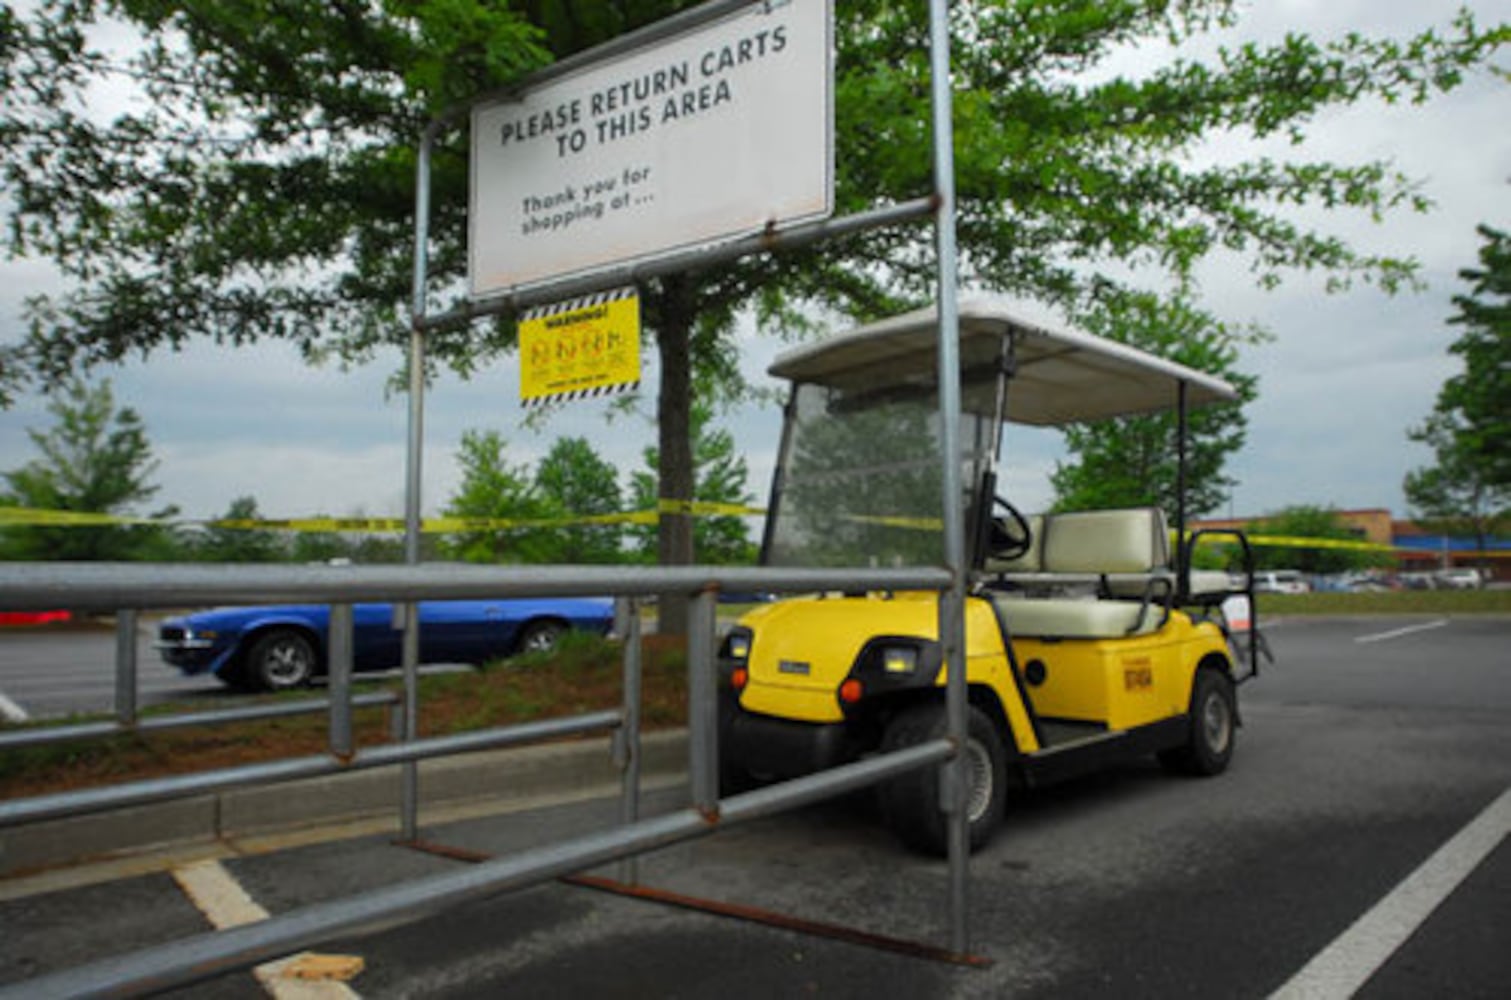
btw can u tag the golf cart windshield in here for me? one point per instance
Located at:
(858, 478)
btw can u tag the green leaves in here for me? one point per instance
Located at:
(262, 186)
(1131, 461)
(1304, 521)
(251, 173)
(719, 475)
(1469, 429)
(578, 484)
(94, 459)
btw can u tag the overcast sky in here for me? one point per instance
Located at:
(1339, 386)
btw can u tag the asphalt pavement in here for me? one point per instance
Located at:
(52, 671)
(1358, 838)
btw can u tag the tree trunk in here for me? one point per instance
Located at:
(674, 429)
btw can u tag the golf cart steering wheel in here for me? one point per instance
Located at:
(1011, 537)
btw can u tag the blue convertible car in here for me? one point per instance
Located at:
(279, 647)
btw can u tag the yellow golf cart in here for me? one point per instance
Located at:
(1087, 635)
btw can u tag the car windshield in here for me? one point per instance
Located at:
(858, 477)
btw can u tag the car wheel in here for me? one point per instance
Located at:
(1214, 726)
(281, 660)
(910, 802)
(540, 637)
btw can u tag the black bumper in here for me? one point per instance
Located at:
(768, 747)
(189, 661)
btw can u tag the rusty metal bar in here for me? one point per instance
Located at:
(782, 921)
(735, 911)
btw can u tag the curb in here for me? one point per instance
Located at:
(489, 781)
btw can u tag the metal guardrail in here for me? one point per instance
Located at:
(111, 587)
(42, 735)
(135, 793)
(143, 586)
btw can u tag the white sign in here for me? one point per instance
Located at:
(708, 135)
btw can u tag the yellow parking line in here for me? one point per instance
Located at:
(225, 904)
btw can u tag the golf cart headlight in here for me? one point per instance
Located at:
(737, 646)
(899, 661)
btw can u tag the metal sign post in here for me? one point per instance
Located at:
(409, 798)
(951, 601)
(690, 142)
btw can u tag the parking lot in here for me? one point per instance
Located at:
(1371, 777)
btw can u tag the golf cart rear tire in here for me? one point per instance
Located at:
(1214, 728)
(910, 802)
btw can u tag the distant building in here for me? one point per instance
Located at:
(1417, 549)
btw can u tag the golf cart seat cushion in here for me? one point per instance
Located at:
(1126, 551)
(1107, 541)
(1076, 618)
(1092, 543)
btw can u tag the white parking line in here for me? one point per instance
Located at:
(226, 904)
(11, 711)
(1398, 632)
(1344, 966)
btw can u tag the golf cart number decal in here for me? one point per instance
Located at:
(1138, 674)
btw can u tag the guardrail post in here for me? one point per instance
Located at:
(409, 722)
(702, 703)
(339, 643)
(125, 666)
(627, 736)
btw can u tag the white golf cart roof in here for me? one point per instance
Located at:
(1062, 376)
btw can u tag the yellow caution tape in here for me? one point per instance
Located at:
(886, 521)
(375, 525)
(67, 518)
(1302, 542)
(707, 508)
(461, 525)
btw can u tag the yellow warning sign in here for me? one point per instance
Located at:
(580, 349)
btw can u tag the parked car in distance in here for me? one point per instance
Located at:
(1353, 582)
(1459, 578)
(1281, 581)
(278, 647)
